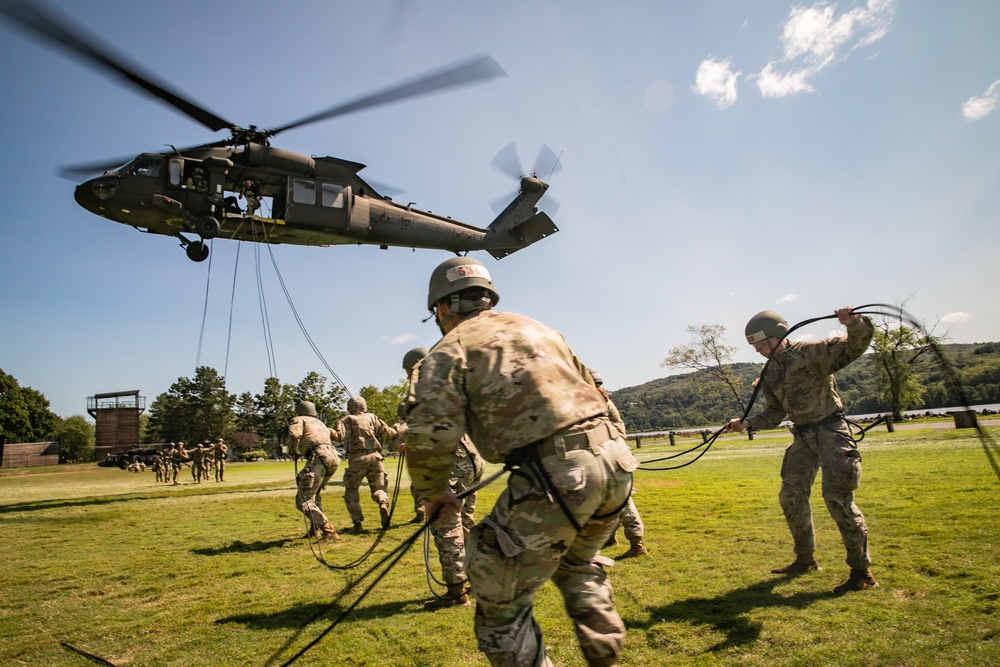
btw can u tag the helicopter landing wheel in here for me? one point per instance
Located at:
(197, 251)
(207, 227)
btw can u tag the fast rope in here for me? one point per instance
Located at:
(232, 302)
(204, 311)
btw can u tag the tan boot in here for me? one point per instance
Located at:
(637, 548)
(419, 518)
(383, 511)
(858, 581)
(457, 596)
(329, 534)
(358, 528)
(800, 565)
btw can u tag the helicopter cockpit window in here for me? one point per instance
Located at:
(146, 166)
(175, 168)
(303, 192)
(333, 195)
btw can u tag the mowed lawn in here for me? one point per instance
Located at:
(140, 573)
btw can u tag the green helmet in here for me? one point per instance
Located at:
(411, 358)
(356, 405)
(457, 274)
(307, 408)
(765, 324)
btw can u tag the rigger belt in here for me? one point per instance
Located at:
(576, 439)
(825, 422)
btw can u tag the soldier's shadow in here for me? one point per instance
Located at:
(726, 613)
(238, 546)
(299, 615)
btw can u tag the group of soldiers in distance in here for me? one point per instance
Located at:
(204, 460)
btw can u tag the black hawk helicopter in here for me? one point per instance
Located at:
(314, 200)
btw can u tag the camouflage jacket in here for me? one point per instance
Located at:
(616, 417)
(504, 379)
(361, 433)
(798, 382)
(304, 432)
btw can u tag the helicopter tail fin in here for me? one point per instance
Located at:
(520, 224)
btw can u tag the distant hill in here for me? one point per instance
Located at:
(676, 401)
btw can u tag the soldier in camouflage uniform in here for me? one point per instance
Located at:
(517, 389)
(631, 521)
(798, 382)
(220, 451)
(310, 438)
(198, 463)
(158, 467)
(178, 455)
(360, 431)
(449, 532)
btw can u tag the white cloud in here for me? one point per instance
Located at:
(815, 37)
(953, 318)
(977, 108)
(788, 298)
(716, 80)
(400, 339)
(805, 338)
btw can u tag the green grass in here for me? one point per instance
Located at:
(141, 573)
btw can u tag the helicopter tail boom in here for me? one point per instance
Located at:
(520, 224)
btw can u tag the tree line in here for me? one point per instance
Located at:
(900, 373)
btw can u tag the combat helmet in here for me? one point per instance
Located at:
(306, 408)
(411, 358)
(458, 274)
(765, 324)
(598, 380)
(356, 405)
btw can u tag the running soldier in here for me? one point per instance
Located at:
(519, 391)
(310, 438)
(178, 455)
(220, 450)
(197, 463)
(798, 383)
(360, 431)
(450, 531)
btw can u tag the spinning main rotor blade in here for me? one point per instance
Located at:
(477, 69)
(72, 172)
(45, 24)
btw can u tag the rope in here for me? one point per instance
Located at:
(204, 310)
(232, 301)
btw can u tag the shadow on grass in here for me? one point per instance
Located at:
(304, 614)
(726, 613)
(241, 547)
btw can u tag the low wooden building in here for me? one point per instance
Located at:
(30, 454)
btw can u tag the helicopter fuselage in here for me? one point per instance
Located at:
(305, 201)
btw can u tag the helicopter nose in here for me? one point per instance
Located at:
(93, 194)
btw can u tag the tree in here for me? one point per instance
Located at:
(385, 402)
(329, 402)
(708, 355)
(76, 439)
(24, 412)
(247, 415)
(193, 410)
(275, 407)
(895, 348)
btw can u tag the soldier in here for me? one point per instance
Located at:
(631, 521)
(519, 391)
(220, 451)
(251, 193)
(450, 531)
(198, 462)
(178, 455)
(310, 438)
(798, 382)
(158, 466)
(410, 360)
(360, 431)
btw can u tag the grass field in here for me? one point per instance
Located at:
(141, 573)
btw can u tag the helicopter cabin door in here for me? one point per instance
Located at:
(317, 204)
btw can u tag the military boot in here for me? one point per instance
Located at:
(383, 511)
(800, 565)
(358, 528)
(419, 518)
(329, 534)
(637, 548)
(457, 596)
(858, 581)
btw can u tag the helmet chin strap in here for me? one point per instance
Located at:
(460, 308)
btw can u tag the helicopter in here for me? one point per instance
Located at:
(197, 191)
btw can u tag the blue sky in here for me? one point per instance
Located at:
(719, 158)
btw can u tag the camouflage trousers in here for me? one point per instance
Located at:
(311, 480)
(366, 466)
(831, 450)
(449, 532)
(220, 470)
(528, 539)
(631, 521)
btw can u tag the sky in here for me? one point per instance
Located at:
(718, 158)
